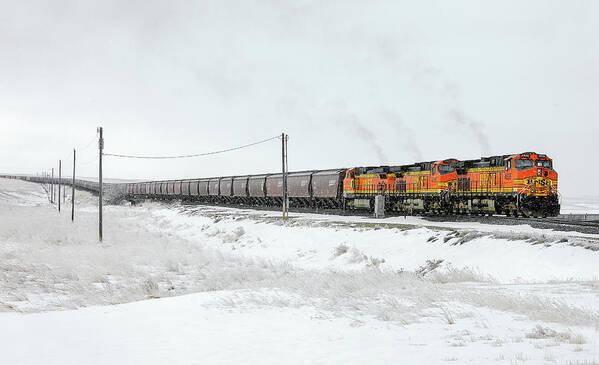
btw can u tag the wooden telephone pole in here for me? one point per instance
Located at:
(59, 181)
(101, 148)
(52, 187)
(73, 190)
(284, 138)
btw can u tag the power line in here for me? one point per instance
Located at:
(88, 144)
(192, 155)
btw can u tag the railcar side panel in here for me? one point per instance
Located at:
(257, 186)
(185, 188)
(170, 188)
(240, 186)
(226, 186)
(299, 184)
(203, 186)
(213, 187)
(193, 187)
(274, 186)
(328, 184)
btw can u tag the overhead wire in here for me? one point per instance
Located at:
(87, 162)
(65, 160)
(88, 144)
(80, 150)
(191, 155)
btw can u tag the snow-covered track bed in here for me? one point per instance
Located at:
(556, 224)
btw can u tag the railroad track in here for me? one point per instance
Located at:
(557, 224)
(568, 222)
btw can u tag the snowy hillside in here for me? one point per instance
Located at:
(194, 284)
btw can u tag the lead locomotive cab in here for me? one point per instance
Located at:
(534, 181)
(532, 173)
(529, 160)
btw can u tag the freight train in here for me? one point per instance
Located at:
(522, 184)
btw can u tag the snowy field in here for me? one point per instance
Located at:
(580, 205)
(176, 284)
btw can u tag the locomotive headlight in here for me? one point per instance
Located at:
(538, 172)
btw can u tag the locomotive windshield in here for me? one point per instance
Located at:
(445, 169)
(523, 164)
(544, 163)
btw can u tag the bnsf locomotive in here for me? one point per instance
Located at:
(523, 184)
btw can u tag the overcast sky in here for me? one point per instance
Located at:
(352, 82)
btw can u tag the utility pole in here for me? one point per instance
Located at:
(52, 187)
(100, 147)
(59, 181)
(73, 190)
(284, 163)
(286, 174)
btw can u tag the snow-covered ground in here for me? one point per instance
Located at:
(194, 284)
(580, 205)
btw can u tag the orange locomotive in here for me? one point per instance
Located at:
(522, 184)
